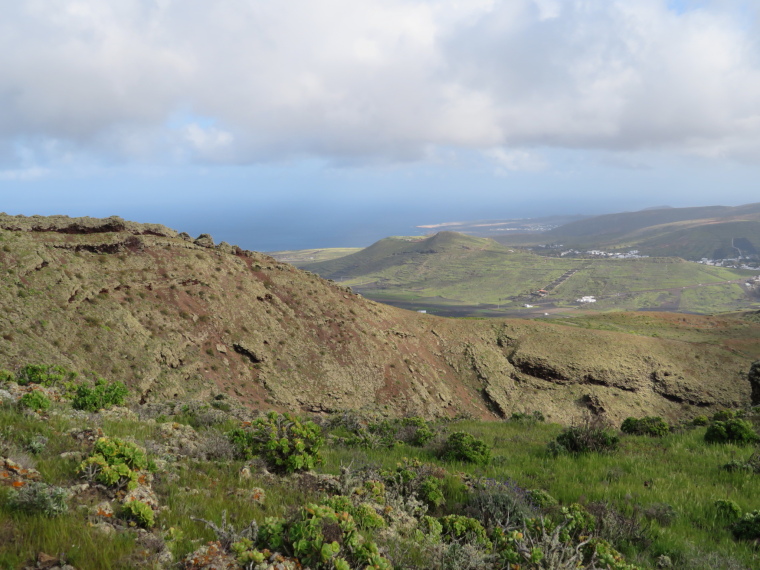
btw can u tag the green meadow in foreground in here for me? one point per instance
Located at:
(180, 484)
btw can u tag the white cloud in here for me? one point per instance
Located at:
(517, 160)
(23, 173)
(379, 80)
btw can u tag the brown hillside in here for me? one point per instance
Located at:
(177, 317)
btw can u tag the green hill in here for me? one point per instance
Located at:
(386, 255)
(449, 269)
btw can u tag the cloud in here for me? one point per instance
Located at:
(23, 174)
(379, 80)
(517, 160)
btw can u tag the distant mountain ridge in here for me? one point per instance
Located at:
(691, 233)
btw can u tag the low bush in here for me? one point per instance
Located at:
(751, 465)
(564, 544)
(621, 528)
(364, 514)
(316, 537)
(735, 430)
(590, 436)
(282, 440)
(114, 463)
(414, 431)
(724, 415)
(462, 446)
(412, 485)
(747, 527)
(464, 529)
(47, 375)
(541, 499)
(34, 400)
(39, 498)
(524, 417)
(138, 513)
(102, 395)
(500, 504)
(653, 426)
(728, 511)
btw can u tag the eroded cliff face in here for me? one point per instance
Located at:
(180, 317)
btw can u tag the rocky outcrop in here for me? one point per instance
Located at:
(84, 225)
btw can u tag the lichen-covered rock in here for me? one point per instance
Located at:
(102, 511)
(204, 240)
(255, 495)
(210, 557)
(15, 475)
(88, 435)
(144, 494)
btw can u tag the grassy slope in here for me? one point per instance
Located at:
(165, 318)
(472, 270)
(301, 256)
(679, 471)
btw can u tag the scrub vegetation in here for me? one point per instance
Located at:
(197, 484)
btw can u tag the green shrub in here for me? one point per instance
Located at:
(36, 444)
(467, 529)
(747, 527)
(47, 375)
(724, 415)
(727, 510)
(139, 513)
(39, 498)
(318, 536)
(553, 449)
(461, 446)
(34, 400)
(412, 478)
(6, 376)
(413, 431)
(102, 395)
(653, 426)
(416, 432)
(591, 436)
(114, 463)
(431, 492)
(499, 503)
(283, 441)
(365, 515)
(700, 421)
(542, 499)
(525, 417)
(734, 430)
(751, 465)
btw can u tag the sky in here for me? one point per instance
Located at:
(323, 123)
